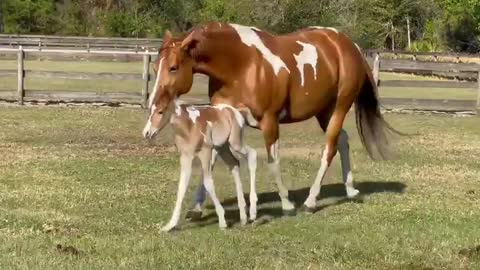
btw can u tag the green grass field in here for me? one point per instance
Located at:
(199, 89)
(85, 178)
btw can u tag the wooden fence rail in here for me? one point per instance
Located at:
(63, 42)
(141, 95)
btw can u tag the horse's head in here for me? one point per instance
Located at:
(174, 71)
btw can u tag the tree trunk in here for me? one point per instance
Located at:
(1, 17)
(408, 34)
(393, 37)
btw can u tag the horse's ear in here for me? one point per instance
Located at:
(167, 36)
(190, 41)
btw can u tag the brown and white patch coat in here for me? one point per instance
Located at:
(206, 131)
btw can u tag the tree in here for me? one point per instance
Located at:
(1, 17)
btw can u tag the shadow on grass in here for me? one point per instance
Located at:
(300, 195)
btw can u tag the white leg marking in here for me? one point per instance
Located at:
(240, 198)
(209, 186)
(343, 149)
(274, 167)
(311, 201)
(155, 87)
(186, 170)
(249, 37)
(308, 56)
(252, 168)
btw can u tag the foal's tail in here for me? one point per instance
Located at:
(371, 125)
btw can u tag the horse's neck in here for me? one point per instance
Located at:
(216, 59)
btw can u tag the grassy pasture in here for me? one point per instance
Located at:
(9, 83)
(85, 178)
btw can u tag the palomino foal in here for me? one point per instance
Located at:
(205, 131)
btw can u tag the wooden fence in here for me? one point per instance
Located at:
(141, 96)
(88, 43)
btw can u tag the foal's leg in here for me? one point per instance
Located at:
(251, 155)
(205, 157)
(344, 151)
(333, 131)
(185, 173)
(270, 129)
(234, 166)
(195, 213)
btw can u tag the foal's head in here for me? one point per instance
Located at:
(174, 71)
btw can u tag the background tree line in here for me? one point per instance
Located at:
(435, 25)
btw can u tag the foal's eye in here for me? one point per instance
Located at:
(173, 69)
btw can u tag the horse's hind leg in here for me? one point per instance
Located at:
(344, 151)
(333, 132)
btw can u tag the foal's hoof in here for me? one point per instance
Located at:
(308, 210)
(193, 215)
(290, 212)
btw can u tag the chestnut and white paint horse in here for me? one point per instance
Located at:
(314, 72)
(203, 132)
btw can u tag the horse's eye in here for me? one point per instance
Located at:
(173, 69)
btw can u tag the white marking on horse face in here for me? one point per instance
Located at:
(147, 127)
(308, 56)
(155, 88)
(249, 37)
(329, 28)
(193, 113)
(238, 115)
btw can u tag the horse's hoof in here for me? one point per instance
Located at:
(193, 215)
(243, 222)
(168, 229)
(290, 212)
(308, 210)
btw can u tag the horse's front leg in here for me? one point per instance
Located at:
(185, 173)
(270, 129)
(195, 212)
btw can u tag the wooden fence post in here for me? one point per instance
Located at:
(21, 75)
(376, 69)
(146, 78)
(478, 92)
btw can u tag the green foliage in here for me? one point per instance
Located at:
(434, 24)
(29, 16)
